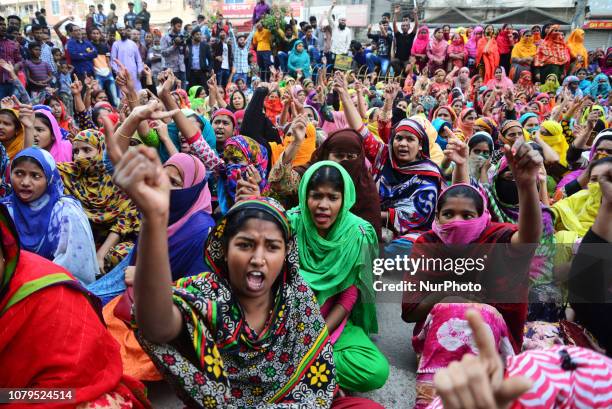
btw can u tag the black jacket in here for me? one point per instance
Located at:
(206, 58)
(217, 50)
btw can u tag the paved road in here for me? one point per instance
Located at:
(393, 340)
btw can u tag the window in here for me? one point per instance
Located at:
(55, 7)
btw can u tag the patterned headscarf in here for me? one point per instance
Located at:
(240, 152)
(289, 361)
(91, 183)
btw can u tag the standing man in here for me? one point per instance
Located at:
(102, 70)
(224, 59)
(404, 38)
(100, 18)
(110, 19)
(198, 60)
(173, 49)
(82, 52)
(341, 35)
(126, 51)
(130, 18)
(241, 48)
(260, 10)
(9, 51)
(41, 37)
(263, 46)
(384, 41)
(145, 17)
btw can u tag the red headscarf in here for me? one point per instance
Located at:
(553, 50)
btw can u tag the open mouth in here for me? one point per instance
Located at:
(321, 218)
(255, 280)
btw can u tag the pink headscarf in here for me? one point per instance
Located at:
(339, 123)
(419, 46)
(505, 83)
(472, 44)
(61, 150)
(462, 231)
(193, 172)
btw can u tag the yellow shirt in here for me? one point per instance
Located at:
(263, 40)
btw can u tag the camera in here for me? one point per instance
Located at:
(178, 40)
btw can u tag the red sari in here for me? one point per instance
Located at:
(52, 337)
(489, 59)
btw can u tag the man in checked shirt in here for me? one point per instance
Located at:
(9, 51)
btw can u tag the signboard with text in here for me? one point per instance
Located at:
(598, 25)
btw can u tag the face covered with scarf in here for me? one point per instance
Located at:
(87, 149)
(462, 215)
(240, 152)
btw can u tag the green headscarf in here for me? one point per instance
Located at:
(194, 101)
(332, 264)
(550, 87)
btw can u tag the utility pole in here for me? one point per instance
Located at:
(579, 13)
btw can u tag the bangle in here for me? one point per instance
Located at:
(120, 134)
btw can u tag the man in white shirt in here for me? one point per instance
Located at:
(341, 35)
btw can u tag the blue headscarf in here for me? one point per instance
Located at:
(33, 219)
(438, 123)
(208, 133)
(600, 89)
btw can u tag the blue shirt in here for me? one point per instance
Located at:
(82, 54)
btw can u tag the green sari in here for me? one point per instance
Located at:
(344, 257)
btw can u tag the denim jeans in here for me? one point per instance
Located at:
(264, 60)
(283, 57)
(372, 60)
(222, 77)
(108, 84)
(315, 54)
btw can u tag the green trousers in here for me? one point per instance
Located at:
(360, 366)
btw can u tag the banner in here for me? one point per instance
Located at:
(598, 25)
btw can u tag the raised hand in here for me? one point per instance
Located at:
(26, 115)
(77, 86)
(152, 110)
(168, 83)
(477, 381)
(141, 176)
(456, 151)
(10, 103)
(524, 161)
(298, 128)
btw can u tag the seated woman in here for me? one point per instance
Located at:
(48, 136)
(44, 307)
(12, 133)
(112, 216)
(246, 333)
(462, 218)
(189, 224)
(50, 223)
(408, 182)
(344, 147)
(335, 249)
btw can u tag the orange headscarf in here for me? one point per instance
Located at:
(16, 145)
(575, 43)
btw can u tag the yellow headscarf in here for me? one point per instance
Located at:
(576, 214)
(305, 151)
(435, 152)
(525, 48)
(575, 42)
(16, 145)
(556, 140)
(461, 31)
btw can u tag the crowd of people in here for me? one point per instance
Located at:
(203, 207)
